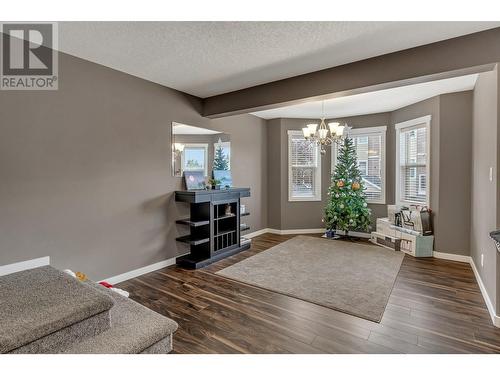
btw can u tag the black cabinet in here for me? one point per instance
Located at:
(214, 225)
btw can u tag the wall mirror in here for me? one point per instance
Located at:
(196, 149)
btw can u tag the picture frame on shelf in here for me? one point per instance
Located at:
(194, 180)
(224, 176)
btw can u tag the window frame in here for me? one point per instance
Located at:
(369, 131)
(317, 176)
(426, 122)
(195, 145)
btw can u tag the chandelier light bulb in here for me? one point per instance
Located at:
(179, 147)
(306, 132)
(333, 127)
(323, 133)
(312, 128)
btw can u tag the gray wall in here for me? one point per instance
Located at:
(483, 194)
(455, 171)
(274, 171)
(450, 168)
(248, 162)
(85, 171)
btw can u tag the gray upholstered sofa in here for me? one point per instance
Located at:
(44, 310)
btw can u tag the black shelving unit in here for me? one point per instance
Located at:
(214, 225)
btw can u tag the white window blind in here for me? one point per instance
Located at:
(370, 153)
(413, 161)
(304, 168)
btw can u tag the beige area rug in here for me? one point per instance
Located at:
(350, 277)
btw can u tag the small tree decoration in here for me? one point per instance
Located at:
(221, 162)
(347, 208)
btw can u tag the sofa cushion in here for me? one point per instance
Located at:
(40, 301)
(134, 329)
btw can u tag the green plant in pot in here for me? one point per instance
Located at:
(214, 183)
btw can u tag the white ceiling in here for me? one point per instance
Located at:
(209, 58)
(372, 102)
(184, 129)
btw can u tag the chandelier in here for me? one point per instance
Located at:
(324, 136)
(178, 148)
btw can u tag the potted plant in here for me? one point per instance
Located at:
(214, 183)
(330, 233)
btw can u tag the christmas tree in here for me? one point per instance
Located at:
(220, 159)
(347, 208)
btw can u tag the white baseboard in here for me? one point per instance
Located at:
(25, 265)
(139, 271)
(255, 233)
(491, 309)
(455, 257)
(299, 231)
(467, 259)
(295, 231)
(360, 234)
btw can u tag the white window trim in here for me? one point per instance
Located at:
(196, 145)
(408, 124)
(317, 193)
(224, 144)
(382, 130)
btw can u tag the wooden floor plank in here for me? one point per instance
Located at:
(435, 307)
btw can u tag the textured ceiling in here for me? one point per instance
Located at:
(209, 58)
(372, 102)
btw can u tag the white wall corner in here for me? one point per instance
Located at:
(25, 265)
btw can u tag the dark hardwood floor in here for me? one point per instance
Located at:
(435, 307)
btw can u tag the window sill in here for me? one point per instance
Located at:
(376, 202)
(304, 199)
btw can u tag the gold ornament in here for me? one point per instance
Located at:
(81, 276)
(355, 185)
(340, 183)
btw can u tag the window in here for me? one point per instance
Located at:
(370, 152)
(195, 157)
(363, 167)
(304, 168)
(412, 161)
(362, 140)
(226, 152)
